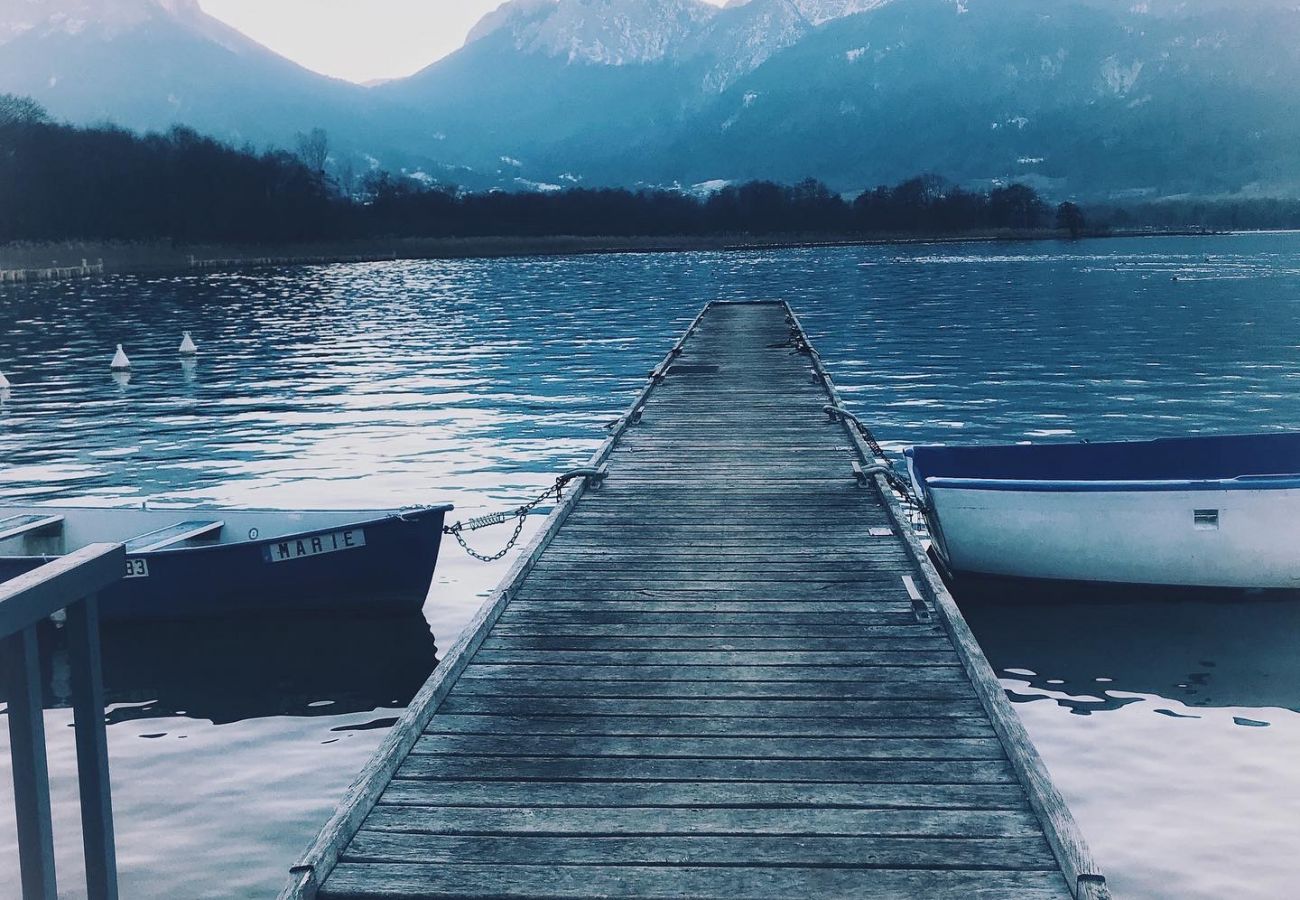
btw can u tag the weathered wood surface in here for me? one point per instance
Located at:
(709, 679)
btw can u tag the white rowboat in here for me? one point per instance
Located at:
(1218, 512)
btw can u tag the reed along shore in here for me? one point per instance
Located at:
(159, 257)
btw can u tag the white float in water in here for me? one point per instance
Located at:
(4, 382)
(120, 362)
(187, 347)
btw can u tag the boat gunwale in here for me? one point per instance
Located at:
(1196, 459)
(1045, 485)
(385, 517)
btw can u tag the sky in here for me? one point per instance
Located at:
(359, 40)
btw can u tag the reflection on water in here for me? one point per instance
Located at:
(1177, 746)
(1198, 648)
(224, 672)
(475, 381)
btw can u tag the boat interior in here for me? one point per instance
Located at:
(55, 530)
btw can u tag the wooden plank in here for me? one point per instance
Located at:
(615, 768)
(16, 526)
(709, 747)
(697, 602)
(614, 614)
(652, 794)
(32, 597)
(713, 689)
(514, 640)
(91, 738)
(778, 631)
(674, 671)
(179, 533)
(20, 656)
(438, 880)
(874, 851)
(595, 706)
(685, 726)
(720, 658)
(956, 822)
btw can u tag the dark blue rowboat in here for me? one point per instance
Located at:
(195, 563)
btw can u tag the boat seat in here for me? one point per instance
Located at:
(14, 526)
(172, 535)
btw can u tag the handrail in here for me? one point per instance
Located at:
(36, 595)
(71, 583)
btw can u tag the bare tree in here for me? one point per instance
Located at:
(348, 179)
(18, 110)
(314, 149)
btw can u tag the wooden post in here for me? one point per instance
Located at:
(31, 773)
(92, 749)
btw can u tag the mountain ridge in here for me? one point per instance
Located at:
(1092, 97)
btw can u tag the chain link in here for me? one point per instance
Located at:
(519, 514)
(910, 500)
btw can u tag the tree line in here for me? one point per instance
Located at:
(61, 182)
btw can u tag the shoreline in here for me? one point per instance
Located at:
(27, 262)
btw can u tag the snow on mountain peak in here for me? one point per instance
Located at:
(609, 32)
(621, 32)
(819, 12)
(106, 17)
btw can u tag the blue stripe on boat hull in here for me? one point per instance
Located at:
(1249, 483)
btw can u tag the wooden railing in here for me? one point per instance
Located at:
(70, 583)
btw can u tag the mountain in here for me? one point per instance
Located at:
(1095, 97)
(1087, 98)
(607, 32)
(149, 64)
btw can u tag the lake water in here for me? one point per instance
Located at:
(1172, 727)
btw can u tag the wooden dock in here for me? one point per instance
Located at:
(726, 670)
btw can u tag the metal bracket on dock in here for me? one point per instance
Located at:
(595, 477)
(633, 418)
(864, 475)
(839, 412)
(919, 607)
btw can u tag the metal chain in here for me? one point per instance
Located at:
(895, 481)
(519, 514)
(893, 478)
(912, 502)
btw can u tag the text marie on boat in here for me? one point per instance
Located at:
(1219, 512)
(197, 562)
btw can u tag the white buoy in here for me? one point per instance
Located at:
(4, 382)
(120, 363)
(187, 347)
